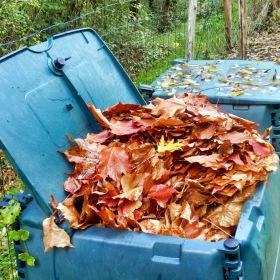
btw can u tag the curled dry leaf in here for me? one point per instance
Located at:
(178, 167)
(54, 236)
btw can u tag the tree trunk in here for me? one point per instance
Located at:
(134, 9)
(275, 4)
(191, 29)
(165, 15)
(151, 5)
(243, 28)
(228, 22)
(255, 10)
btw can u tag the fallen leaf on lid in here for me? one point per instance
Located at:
(54, 236)
(211, 68)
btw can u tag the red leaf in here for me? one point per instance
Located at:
(213, 161)
(71, 185)
(236, 158)
(260, 149)
(53, 203)
(106, 215)
(108, 200)
(121, 108)
(205, 131)
(168, 108)
(236, 137)
(126, 208)
(161, 193)
(114, 162)
(101, 137)
(124, 127)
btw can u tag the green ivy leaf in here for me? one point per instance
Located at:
(14, 235)
(24, 235)
(20, 234)
(9, 214)
(27, 258)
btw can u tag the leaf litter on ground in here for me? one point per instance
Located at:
(178, 167)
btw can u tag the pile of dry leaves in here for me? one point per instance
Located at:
(177, 167)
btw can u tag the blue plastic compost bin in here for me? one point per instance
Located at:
(43, 95)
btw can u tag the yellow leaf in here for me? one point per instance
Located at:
(211, 68)
(223, 80)
(244, 72)
(237, 92)
(171, 146)
(249, 81)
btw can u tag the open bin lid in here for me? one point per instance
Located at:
(43, 96)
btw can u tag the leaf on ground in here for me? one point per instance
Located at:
(211, 68)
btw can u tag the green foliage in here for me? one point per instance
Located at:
(131, 28)
(17, 235)
(10, 183)
(27, 258)
(9, 214)
(8, 217)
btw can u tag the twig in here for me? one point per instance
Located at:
(218, 227)
(135, 167)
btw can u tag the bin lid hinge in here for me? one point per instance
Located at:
(233, 267)
(22, 198)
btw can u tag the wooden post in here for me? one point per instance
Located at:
(243, 28)
(228, 22)
(255, 11)
(275, 4)
(191, 29)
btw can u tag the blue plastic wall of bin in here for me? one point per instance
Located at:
(41, 103)
(102, 253)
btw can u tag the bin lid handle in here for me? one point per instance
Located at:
(39, 49)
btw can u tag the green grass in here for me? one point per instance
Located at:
(9, 184)
(210, 44)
